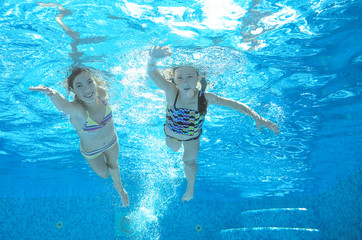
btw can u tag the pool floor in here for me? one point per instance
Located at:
(332, 215)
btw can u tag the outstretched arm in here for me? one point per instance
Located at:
(60, 102)
(243, 108)
(155, 75)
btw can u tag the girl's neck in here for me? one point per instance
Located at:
(91, 105)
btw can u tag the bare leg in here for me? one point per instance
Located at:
(191, 150)
(107, 164)
(59, 18)
(75, 54)
(113, 166)
(99, 166)
(173, 144)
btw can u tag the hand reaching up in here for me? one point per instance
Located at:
(160, 52)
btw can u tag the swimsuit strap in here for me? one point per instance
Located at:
(174, 104)
(88, 116)
(105, 104)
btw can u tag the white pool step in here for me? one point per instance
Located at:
(278, 217)
(274, 223)
(270, 233)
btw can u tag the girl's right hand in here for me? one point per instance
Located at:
(43, 89)
(160, 52)
(260, 121)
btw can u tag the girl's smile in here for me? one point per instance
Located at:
(85, 87)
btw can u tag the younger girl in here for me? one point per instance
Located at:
(186, 110)
(91, 116)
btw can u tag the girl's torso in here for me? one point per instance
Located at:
(94, 126)
(183, 120)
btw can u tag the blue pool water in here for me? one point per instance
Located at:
(297, 63)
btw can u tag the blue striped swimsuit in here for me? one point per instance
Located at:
(184, 121)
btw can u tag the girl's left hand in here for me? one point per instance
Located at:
(266, 123)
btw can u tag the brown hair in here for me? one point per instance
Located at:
(202, 103)
(75, 72)
(68, 83)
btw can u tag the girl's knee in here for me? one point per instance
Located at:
(190, 158)
(112, 165)
(99, 167)
(189, 161)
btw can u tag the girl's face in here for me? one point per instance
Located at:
(186, 79)
(85, 87)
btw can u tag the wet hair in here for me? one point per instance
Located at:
(202, 102)
(75, 72)
(68, 84)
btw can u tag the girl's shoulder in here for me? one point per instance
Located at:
(102, 93)
(77, 109)
(172, 89)
(78, 115)
(171, 94)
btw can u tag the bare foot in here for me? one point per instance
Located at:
(189, 194)
(123, 194)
